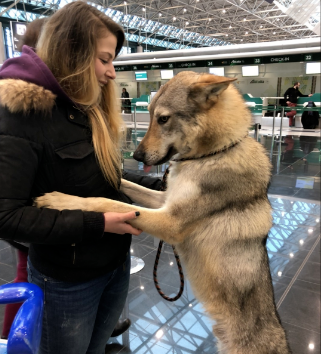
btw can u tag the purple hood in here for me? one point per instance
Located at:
(29, 67)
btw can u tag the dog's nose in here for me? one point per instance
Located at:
(139, 155)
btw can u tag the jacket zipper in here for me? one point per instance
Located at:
(74, 257)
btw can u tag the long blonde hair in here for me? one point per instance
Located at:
(68, 46)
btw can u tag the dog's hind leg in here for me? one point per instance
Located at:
(145, 197)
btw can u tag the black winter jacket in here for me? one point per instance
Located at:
(292, 94)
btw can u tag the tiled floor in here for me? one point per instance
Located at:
(182, 327)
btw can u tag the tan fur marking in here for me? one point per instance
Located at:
(22, 96)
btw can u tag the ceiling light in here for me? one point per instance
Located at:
(279, 273)
(310, 231)
(311, 346)
(246, 32)
(317, 220)
(241, 40)
(278, 19)
(226, 35)
(224, 11)
(301, 242)
(230, 26)
(174, 18)
(159, 334)
(210, 19)
(190, 305)
(143, 9)
(274, 32)
(244, 19)
(125, 2)
(185, 10)
(187, 23)
(171, 263)
(142, 287)
(261, 26)
(291, 255)
(159, 14)
(197, 0)
(131, 251)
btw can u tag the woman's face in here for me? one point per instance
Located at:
(104, 67)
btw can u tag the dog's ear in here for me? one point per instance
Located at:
(206, 90)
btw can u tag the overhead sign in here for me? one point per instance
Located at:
(190, 64)
(18, 30)
(283, 59)
(141, 67)
(162, 66)
(123, 68)
(222, 62)
(245, 61)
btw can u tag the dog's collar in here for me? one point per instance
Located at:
(224, 149)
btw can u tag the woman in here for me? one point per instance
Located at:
(125, 103)
(60, 130)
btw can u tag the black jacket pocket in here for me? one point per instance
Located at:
(78, 163)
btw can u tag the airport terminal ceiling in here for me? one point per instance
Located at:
(182, 24)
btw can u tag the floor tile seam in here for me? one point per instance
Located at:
(288, 244)
(155, 250)
(2, 249)
(8, 265)
(276, 253)
(297, 273)
(295, 325)
(302, 280)
(279, 196)
(313, 211)
(7, 282)
(152, 280)
(186, 350)
(299, 224)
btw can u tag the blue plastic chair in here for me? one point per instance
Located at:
(25, 332)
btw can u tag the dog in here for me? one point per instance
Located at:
(215, 209)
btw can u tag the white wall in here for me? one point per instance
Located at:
(126, 79)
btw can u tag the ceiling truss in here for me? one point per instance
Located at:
(182, 23)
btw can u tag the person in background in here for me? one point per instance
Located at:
(61, 131)
(125, 103)
(291, 98)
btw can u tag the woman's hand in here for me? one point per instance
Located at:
(117, 223)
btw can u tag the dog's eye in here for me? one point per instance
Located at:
(163, 119)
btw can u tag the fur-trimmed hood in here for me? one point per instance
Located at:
(26, 83)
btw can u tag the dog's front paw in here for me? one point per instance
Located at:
(54, 200)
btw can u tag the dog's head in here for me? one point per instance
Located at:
(192, 115)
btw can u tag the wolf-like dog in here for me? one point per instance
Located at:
(215, 210)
